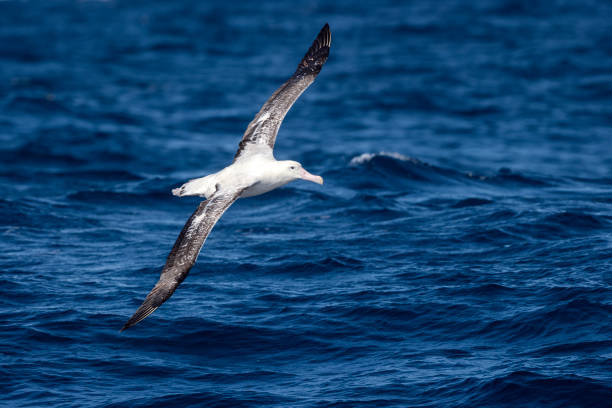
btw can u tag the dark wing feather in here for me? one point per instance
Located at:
(264, 127)
(184, 252)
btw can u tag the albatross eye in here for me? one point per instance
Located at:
(292, 167)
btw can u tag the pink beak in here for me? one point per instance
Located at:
(311, 177)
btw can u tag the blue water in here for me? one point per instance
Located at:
(458, 255)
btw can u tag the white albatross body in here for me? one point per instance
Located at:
(254, 171)
(260, 171)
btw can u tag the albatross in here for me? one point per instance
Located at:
(253, 171)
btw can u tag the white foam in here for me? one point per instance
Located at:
(366, 157)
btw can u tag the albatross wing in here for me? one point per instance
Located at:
(263, 128)
(185, 252)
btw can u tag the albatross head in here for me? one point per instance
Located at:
(294, 170)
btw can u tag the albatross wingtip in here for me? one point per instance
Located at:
(326, 30)
(317, 54)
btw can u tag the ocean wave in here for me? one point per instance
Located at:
(560, 225)
(367, 157)
(409, 169)
(34, 154)
(205, 399)
(548, 322)
(523, 388)
(118, 197)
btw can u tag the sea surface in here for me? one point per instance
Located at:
(459, 253)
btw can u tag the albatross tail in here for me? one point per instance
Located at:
(202, 187)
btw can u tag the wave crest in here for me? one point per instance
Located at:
(367, 157)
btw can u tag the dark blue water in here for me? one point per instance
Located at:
(458, 255)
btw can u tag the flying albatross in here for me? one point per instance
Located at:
(254, 171)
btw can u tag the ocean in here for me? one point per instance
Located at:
(459, 253)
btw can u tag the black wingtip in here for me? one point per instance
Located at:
(143, 312)
(317, 54)
(325, 29)
(158, 295)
